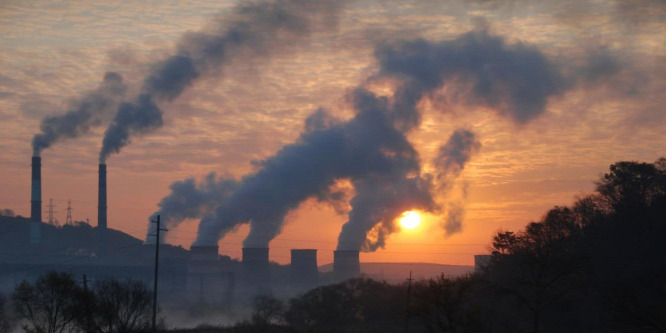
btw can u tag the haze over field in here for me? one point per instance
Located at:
(480, 114)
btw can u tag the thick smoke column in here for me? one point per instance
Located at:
(254, 30)
(383, 195)
(371, 149)
(189, 200)
(515, 80)
(89, 111)
(368, 145)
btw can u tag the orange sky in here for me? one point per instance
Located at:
(53, 51)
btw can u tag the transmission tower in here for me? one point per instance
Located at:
(51, 211)
(69, 213)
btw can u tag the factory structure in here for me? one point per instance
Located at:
(200, 275)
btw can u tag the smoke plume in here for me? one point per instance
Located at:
(515, 80)
(453, 155)
(371, 149)
(189, 200)
(450, 162)
(88, 112)
(367, 145)
(254, 30)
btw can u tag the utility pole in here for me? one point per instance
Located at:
(409, 296)
(157, 256)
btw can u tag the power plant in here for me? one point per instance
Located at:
(201, 275)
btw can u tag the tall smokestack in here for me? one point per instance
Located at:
(256, 269)
(346, 265)
(36, 201)
(303, 268)
(101, 208)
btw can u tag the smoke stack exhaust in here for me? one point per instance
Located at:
(303, 268)
(101, 208)
(36, 201)
(256, 269)
(346, 265)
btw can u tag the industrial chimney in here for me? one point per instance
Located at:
(303, 269)
(36, 201)
(346, 265)
(101, 209)
(256, 275)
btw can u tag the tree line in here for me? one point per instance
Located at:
(55, 302)
(598, 265)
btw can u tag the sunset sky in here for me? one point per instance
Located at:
(603, 89)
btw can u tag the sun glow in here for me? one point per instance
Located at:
(410, 220)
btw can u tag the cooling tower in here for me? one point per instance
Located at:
(346, 265)
(36, 201)
(207, 281)
(303, 269)
(101, 209)
(256, 273)
(204, 253)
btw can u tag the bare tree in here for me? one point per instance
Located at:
(50, 304)
(122, 306)
(5, 324)
(266, 310)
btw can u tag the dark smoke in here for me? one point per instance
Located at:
(371, 149)
(189, 200)
(368, 145)
(255, 30)
(88, 112)
(455, 213)
(450, 162)
(453, 155)
(512, 79)
(383, 195)
(139, 117)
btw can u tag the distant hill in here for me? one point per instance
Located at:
(76, 243)
(399, 271)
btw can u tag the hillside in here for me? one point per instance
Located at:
(76, 243)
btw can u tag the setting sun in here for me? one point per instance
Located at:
(410, 220)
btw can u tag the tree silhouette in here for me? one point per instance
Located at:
(121, 306)
(447, 305)
(50, 304)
